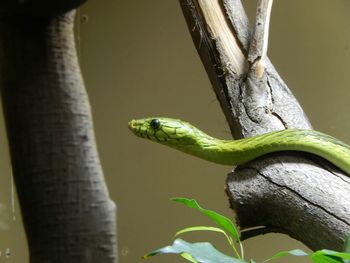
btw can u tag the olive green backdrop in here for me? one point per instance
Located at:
(138, 60)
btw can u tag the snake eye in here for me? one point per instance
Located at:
(155, 124)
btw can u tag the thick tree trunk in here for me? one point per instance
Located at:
(67, 213)
(297, 194)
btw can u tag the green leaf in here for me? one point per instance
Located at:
(320, 256)
(212, 229)
(221, 220)
(325, 259)
(329, 256)
(188, 257)
(201, 228)
(347, 248)
(202, 252)
(294, 252)
(347, 245)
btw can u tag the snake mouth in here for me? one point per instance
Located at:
(134, 127)
(131, 125)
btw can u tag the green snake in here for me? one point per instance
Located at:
(187, 138)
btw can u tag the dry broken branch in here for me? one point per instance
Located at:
(298, 194)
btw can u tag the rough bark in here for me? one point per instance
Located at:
(67, 213)
(298, 194)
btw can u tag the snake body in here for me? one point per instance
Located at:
(187, 138)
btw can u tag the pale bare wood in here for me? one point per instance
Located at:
(226, 42)
(297, 194)
(257, 55)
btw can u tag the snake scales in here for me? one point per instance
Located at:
(187, 138)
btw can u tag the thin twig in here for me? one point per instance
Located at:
(259, 44)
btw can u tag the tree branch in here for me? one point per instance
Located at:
(258, 46)
(67, 213)
(298, 194)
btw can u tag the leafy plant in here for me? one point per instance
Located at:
(204, 252)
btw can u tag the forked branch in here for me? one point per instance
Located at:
(297, 194)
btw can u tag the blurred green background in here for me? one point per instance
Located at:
(138, 60)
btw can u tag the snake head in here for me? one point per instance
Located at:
(172, 132)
